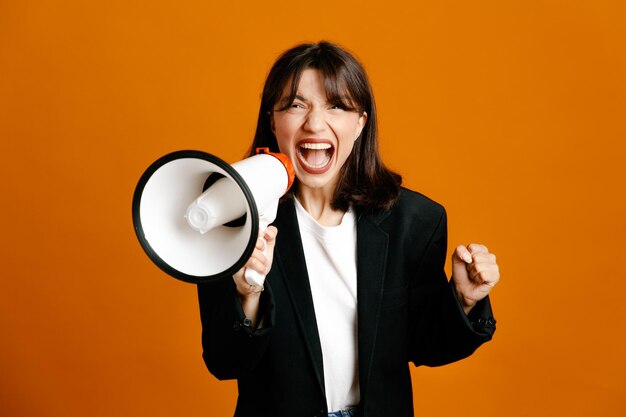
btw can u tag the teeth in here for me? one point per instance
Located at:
(305, 162)
(317, 146)
(305, 148)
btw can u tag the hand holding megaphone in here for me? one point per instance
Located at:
(254, 277)
(251, 278)
(198, 218)
(266, 216)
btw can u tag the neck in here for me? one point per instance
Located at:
(318, 203)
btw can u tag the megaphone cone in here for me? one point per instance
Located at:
(187, 230)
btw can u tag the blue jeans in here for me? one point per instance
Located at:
(346, 412)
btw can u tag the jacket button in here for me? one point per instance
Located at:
(491, 321)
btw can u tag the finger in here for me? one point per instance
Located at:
(243, 287)
(484, 257)
(477, 248)
(461, 255)
(478, 267)
(266, 237)
(270, 239)
(270, 233)
(485, 274)
(258, 262)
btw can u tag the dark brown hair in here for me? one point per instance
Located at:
(364, 182)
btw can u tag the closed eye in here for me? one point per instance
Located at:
(295, 106)
(338, 107)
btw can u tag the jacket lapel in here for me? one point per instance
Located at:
(372, 244)
(290, 256)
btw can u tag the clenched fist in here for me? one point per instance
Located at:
(474, 274)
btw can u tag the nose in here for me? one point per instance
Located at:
(315, 121)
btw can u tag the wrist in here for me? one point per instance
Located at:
(248, 291)
(467, 308)
(466, 304)
(250, 305)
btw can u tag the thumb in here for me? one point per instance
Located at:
(460, 259)
(461, 255)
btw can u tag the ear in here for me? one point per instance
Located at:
(361, 124)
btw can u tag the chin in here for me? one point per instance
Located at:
(317, 181)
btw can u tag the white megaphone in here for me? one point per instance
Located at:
(198, 218)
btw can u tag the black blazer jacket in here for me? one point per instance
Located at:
(407, 311)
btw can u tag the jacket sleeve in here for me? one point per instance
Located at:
(231, 348)
(440, 330)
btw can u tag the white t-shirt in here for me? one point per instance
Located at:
(330, 254)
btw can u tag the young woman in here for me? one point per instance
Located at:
(355, 284)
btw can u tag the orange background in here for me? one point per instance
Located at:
(510, 113)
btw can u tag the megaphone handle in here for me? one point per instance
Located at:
(252, 276)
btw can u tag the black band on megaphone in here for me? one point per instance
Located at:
(156, 258)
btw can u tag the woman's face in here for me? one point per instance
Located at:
(316, 135)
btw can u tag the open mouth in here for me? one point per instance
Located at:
(315, 157)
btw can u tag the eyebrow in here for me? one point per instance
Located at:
(286, 100)
(296, 97)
